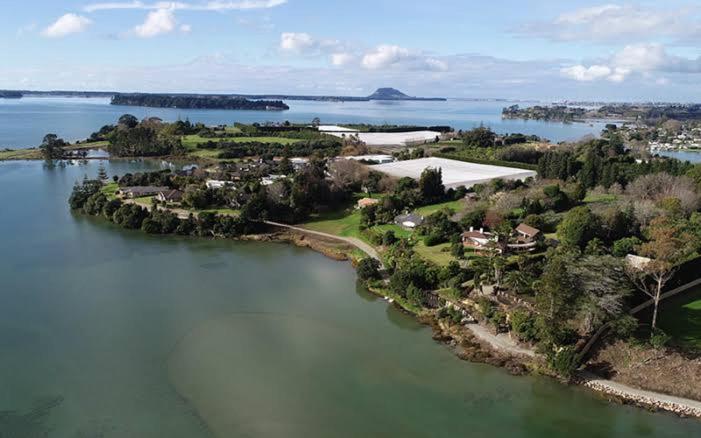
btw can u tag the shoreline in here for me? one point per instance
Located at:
(481, 346)
(475, 344)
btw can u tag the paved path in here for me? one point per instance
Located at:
(367, 249)
(500, 342)
(668, 402)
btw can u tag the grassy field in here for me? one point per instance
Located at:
(604, 198)
(439, 254)
(342, 223)
(681, 318)
(430, 209)
(191, 141)
(110, 190)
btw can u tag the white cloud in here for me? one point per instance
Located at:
(435, 64)
(633, 59)
(157, 22)
(66, 25)
(612, 22)
(384, 56)
(342, 58)
(582, 73)
(206, 6)
(185, 28)
(297, 42)
(343, 54)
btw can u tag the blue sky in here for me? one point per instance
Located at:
(509, 49)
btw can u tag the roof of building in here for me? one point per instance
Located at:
(455, 173)
(527, 230)
(172, 195)
(409, 217)
(476, 234)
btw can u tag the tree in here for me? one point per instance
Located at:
(480, 137)
(556, 289)
(668, 245)
(52, 147)
(431, 185)
(578, 227)
(603, 287)
(128, 121)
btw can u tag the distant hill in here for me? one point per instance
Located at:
(6, 94)
(394, 94)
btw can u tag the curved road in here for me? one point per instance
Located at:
(367, 249)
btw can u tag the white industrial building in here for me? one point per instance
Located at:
(455, 173)
(383, 138)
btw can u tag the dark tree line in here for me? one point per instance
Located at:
(603, 162)
(198, 102)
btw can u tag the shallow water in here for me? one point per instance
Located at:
(23, 122)
(111, 333)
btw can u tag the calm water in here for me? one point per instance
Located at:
(111, 333)
(24, 122)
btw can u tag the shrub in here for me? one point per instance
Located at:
(433, 240)
(486, 307)
(625, 326)
(625, 246)
(523, 324)
(565, 361)
(659, 338)
(368, 269)
(415, 295)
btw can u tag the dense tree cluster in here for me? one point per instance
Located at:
(88, 198)
(198, 102)
(603, 162)
(232, 150)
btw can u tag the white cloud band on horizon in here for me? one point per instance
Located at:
(635, 58)
(67, 24)
(613, 22)
(208, 6)
(340, 54)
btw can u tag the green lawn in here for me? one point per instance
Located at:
(439, 254)
(604, 198)
(430, 209)
(205, 153)
(110, 190)
(681, 318)
(341, 223)
(191, 141)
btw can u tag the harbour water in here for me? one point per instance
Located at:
(24, 122)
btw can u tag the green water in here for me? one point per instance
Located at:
(111, 333)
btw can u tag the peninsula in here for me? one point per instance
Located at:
(548, 256)
(197, 101)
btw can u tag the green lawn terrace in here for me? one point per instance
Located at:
(347, 223)
(680, 318)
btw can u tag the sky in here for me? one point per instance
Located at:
(546, 50)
